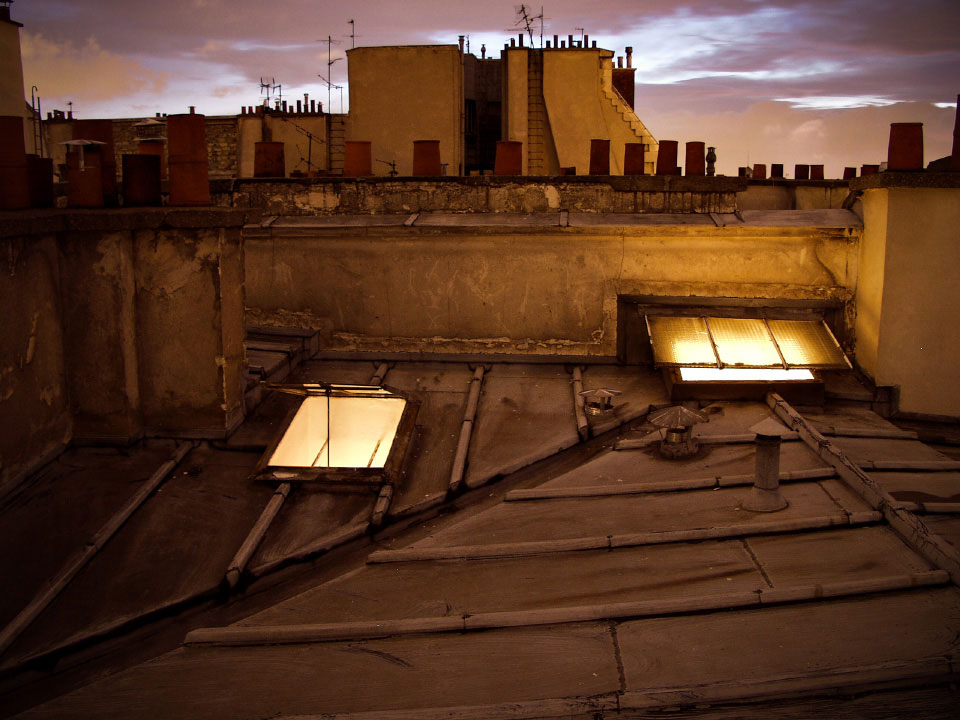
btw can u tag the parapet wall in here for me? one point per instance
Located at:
(532, 284)
(480, 194)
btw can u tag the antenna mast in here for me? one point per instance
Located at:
(329, 78)
(527, 20)
(268, 88)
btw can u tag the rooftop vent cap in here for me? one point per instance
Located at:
(599, 401)
(678, 442)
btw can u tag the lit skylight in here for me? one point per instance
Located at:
(341, 428)
(742, 374)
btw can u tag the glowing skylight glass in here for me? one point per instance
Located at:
(744, 342)
(680, 341)
(345, 427)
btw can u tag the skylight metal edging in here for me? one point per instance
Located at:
(776, 345)
(834, 338)
(713, 344)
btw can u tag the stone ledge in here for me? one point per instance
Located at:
(623, 183)
(919, 179)
(42, 222)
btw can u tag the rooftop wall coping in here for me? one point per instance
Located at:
(918, 179)
(558, 221)
(623, 183)
(38, 222)
(792, 182)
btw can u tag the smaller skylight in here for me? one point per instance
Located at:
(340, 427)
(340, 431)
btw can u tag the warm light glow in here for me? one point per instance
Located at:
(680, 341)
(806, 343)
(727, 374)
(742, 341)
(361, 432)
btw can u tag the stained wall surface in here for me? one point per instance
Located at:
(444, 286)
(118, 323)
(34, 412)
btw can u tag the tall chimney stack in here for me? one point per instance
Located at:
(629, 57)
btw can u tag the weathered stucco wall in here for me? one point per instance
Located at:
(34, 415)
(190, 353)
(119, 322)
(531, 288)
(98, 292)
(907, 333)
(406, 93)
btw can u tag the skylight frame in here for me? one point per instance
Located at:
(359, 478)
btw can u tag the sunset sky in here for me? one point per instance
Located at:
(764, 81)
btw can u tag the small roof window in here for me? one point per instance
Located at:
(341, 430)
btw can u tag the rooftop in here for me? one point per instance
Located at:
(572, 572)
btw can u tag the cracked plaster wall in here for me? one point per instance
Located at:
(544, 292)
(118, 323)
(34, 416)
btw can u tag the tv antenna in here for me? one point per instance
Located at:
(393, 166)
(330, 86)
(268, 89)
(353, 33)
(330, 61)
(581, 31)
(527, 19)
(310, 139)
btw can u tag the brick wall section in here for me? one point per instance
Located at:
(223, 142)
(124, 141)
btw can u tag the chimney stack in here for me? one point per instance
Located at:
(629, 57)
(460, 39)
(483, 52)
